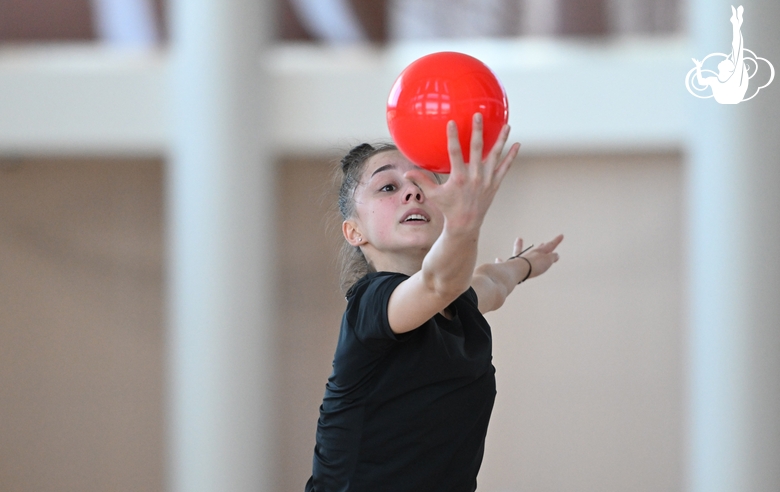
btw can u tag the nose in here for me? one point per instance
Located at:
(413, 192)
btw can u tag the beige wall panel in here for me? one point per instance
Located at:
(589, 357)
(81, 340)
(310, 304)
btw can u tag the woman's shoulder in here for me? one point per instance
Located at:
(371, 278)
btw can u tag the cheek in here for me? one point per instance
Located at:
(378, 216)
(383, 214)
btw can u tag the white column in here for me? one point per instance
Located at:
(540, 17)
(220, 188)
(333, 21)
(126, 23)
(734, 276)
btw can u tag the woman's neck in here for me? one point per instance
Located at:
(395, 262)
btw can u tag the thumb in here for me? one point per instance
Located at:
(518, 248)
(422, 180)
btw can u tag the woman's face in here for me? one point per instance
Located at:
(392, 215)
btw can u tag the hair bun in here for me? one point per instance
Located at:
(355, 155)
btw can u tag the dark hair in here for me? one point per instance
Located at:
(353, 263)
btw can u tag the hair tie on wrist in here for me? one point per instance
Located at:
(529, 269)
(526, 260)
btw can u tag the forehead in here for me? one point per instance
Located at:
(390, 160)
(391, 157)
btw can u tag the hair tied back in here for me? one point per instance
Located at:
(356, 155)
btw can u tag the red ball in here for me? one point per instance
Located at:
(438, 88)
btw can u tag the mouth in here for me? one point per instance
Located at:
(416, 216)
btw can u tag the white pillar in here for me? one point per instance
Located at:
(220, 230)
(126, 23)
(540, 17)
(734, 241)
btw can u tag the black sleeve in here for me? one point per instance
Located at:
(367, 309)
(471, 296)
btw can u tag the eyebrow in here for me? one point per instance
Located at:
(383, 168)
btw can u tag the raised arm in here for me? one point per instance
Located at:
(493, 282)
(464, 199)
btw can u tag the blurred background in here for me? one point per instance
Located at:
(109, 196)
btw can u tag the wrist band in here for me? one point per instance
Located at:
(526, 260)
(518, 254)
(529, 269)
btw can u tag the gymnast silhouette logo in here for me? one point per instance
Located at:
(729, 84)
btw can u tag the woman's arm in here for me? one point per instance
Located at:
(464, 199)
(493, 282)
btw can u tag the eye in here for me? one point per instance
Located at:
(388, 187)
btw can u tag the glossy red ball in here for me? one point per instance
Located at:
(438, 88)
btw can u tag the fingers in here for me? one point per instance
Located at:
(453, 149)
(506, 163)
(549, 247)
(541, 257)
(475, 151)
(494, 157)
(518, 248)
(494, 163)
(556, 241)
(498, 147)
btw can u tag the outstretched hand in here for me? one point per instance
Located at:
(540, 258)
(447, 269)
(493, 282)
(468, 192)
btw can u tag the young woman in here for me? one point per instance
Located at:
(408, 403)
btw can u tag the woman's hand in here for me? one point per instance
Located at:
(493, 282)
(541, 257)
(465, 197)
(448, 267)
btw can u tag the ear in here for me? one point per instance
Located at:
(351, 233)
